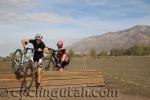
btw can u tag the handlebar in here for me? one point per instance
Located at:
(30, 49)
(26, 49)
(50, 49)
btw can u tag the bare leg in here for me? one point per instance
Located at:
(38, 75)
(39, 72)
(63, 58)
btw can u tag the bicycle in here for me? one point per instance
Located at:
(53, 60)
(22, 64)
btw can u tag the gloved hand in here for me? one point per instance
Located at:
(39, 49)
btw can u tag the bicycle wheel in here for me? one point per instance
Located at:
(48, 64)
(16, 62)
(29, 76)
(54, 64)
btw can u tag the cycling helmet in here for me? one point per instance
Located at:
(38, 36)
(60, 43)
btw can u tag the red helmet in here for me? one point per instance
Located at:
(60, 43)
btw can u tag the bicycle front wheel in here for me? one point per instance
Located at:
(16, 62)
(29, 76)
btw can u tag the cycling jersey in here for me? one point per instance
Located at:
(61, 52)
(37, 54)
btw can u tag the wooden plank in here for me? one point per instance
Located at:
(60, 79)
(73, 82)
(75, 73)
(57, 78)
(58, 74)
(73, 77)
(61, 86)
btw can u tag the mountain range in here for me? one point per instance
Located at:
(137, 35)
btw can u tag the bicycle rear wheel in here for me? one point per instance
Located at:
(52, 65)
(16, 62)
(29, 77)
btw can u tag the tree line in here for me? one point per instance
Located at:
(135, 50)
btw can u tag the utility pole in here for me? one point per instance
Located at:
(84, 62)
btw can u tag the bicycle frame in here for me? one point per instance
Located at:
(54, 55)
(24, 52)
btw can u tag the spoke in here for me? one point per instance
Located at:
(16, 62)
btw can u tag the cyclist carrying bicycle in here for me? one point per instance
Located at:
(38, 58)
(63, 59)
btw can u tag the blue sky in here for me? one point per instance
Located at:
(70, 20)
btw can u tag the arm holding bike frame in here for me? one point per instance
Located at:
(45, 50)
(55, 50)
(26, 42)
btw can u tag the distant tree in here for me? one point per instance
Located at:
(136, 50)
(8, 58)
(93, 52)
(117, 52)
(146, 51)
(71, 53)
(11, 54)
(103, 53)
(133, 51)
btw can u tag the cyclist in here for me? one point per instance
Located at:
(38, 58)
(63, 59)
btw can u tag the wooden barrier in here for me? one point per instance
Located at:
(59, 79)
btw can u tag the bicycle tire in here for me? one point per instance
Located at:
(28, 82)
(16, 67)
(54, 64)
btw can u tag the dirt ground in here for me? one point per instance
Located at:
(129, 75)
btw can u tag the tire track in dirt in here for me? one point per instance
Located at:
(126, 81)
